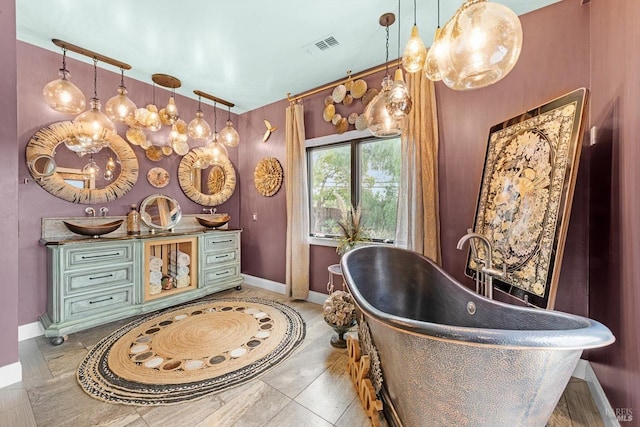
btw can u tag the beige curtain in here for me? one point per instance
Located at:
(418, 223)
(297, 270)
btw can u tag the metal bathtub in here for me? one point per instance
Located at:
(503, 365)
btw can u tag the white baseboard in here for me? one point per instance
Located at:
(30, 330)
(10, 374)
(585, 372)
(270, 285)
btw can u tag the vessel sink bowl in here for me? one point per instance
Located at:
(213, 221)
(94, 230)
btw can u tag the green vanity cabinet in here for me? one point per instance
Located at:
(97, 281)
(220, 261)
(90, 284)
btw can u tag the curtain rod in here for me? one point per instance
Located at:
(359, 75)
(90, 54)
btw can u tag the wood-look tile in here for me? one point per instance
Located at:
(582, 408)
(301, 369)
(18, 416)
(331, 393)
(253, 407)
(560, 416)
(61, 402)
(34, 365)
(355, 416)
(188, 413)
(12, 398)
(296, 415)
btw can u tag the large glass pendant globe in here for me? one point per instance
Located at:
(92, 129)
(198, 128)
(91, 170)
(216, 152)
(64, 96)
(485, 46)
(399, 101)
(438, 60)
(379, 121)
(120, 107)
(229, 136)
(414, 53)
(172, 111)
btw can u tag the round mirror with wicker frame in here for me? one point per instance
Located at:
(221, 180)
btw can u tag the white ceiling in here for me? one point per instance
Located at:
(251, 53)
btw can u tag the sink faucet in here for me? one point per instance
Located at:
(484, 270)
(90, 211)
(210, 210)
(104, 210)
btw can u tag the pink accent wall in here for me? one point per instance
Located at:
(8, 187)
(614, 247)
(36, 67)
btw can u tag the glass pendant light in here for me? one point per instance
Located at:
(380, 121)
(399, 100)
(91, 169)
(198, 128)
(172, 109)
(61, 94)
(438, 54)
(215, 151)
(229, 135)
(120, 107)
(485, 46)
(93, 129)
(415, 51)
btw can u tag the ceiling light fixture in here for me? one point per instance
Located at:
(415, 51)
(479, 46)
(198, 128)
(379, 120)
(92, 129)
(120, 107)
(61, 94)
(229, 135)
(216, 151)
(399, 100)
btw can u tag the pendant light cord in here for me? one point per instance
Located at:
(199, 99)
(386, 60)
(95, 78)
(121, 77)
(215, 118)
(229, 114)
(399, 17)
(64, 63)
(438, 13)
(414, 12)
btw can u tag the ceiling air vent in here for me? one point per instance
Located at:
(321, 45)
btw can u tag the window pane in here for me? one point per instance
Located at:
(379, 184)
(330, 173)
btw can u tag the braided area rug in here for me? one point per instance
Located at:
(187, 352)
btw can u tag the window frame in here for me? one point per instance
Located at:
(355, 138)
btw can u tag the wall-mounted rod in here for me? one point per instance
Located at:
(91, 54)
(213, 98)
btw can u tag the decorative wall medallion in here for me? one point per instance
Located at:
(158, 177)
(525, 196)
(267, 176)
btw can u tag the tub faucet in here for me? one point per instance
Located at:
(484, 270)
(104, 210)
(90, 211)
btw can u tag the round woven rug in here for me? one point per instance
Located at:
(186, 352)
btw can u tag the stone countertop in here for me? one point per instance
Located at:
(54, 231)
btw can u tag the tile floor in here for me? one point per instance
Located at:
(308, 389)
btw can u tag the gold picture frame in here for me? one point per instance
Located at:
(525, 196)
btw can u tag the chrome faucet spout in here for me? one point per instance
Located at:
(485, 271)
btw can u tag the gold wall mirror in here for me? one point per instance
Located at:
(160, 212)
(67, 180)
(211, 186)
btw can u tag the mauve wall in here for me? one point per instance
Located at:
(8, 187)
(554, 61)
(614, 256)
(38, 66)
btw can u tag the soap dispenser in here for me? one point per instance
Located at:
(133, 220)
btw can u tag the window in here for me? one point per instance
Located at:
(362, 171)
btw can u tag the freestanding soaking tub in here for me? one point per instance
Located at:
(449, 356)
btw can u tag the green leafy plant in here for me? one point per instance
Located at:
(350, 225)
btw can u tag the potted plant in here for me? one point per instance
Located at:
(350, 225)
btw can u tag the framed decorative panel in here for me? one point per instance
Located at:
(525, 196)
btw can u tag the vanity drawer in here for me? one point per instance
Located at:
(216, 242)
(96, 255)
(81, 281)
(215, 276)
(98, 303)
(216, 258)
